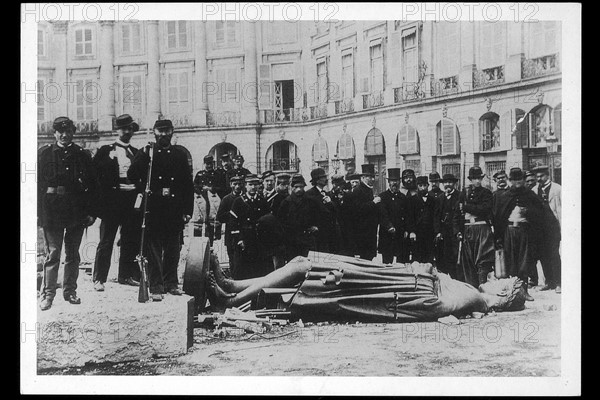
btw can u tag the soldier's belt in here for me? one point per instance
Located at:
(56, 190)
(475, 221)
(517, 224)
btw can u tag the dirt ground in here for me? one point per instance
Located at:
(511, 344)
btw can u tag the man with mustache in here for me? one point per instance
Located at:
(409, 184)
(445, 227)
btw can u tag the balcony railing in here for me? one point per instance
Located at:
(86, 126)
(344, 106)
(284, 164)
(445, 86)
(540, 66)
(318, 111)
(285, 115)
(45, 127)
(488, 77)
(226, 118)
(490, 141)
(408, 93)
(372, 100)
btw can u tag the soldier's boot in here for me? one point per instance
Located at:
(527, 295)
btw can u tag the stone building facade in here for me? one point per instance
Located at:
(431, 96)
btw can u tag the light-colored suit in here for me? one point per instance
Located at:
(553, 198)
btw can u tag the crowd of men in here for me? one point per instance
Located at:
(271, 218)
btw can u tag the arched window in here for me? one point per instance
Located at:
(374, 143)
(408, 140)
(282, 156)
(558, 122)
(489, 131)
(540, 125)
(320, 154)
(448, 141)
(345, 147)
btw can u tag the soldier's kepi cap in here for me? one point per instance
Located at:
(238, 157)
(236, 178)
(61, 124)
(267, 174)
(126, 121)
(298, 180)
(225, 156)
(422, 180)
(528, 174)
(499, 173)
(208, 159)
(162, 124)
(252, 178)
(283, 178)
(434, 177)
(475, 173)
(516, 174)
(542, 169)
(393, 174)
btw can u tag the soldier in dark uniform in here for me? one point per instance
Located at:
(283, 191)
(445, 225)
(367, 214)
(222, 179)
(435, 191)
(517, 215)
(345, 218)
(478, 255)
(115, 207)
(238, 167)
(393, 230)
(299, 216)
(170, 207)
(208, 177)
(250, 258)
(409, 183)
(66, 187)
(269, 191)
(224, 217)
(326, 235)
(421, 210)
(530, 182)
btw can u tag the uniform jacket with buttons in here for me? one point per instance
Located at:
(445, 220)
(245, 213)
(224, 216)
(477, 201)
(71, 169)
(111, 202)
(171, 187)
(296, 214)
(506, 201)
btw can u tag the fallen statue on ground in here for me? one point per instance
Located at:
(331, 289)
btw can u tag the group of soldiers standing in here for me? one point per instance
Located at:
(270, 218)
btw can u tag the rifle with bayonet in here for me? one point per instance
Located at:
(143, 294)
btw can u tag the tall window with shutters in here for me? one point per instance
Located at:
(41, 101)
(489, 131)
(226, 33)
(132, 95)
(543, 38)
(447, 60)
(131, 42)
(86, 96)
(408, 140)
(410, 71)
(322, 82)
(320, 154)
(558, 122)
(345, 147)
(347, 75)
(178, 88)
(376, 76)
(41, 43)
(177, 35)
(447, 137)
(492, 44)
(84, 45)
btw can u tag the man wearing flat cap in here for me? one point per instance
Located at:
(170, 206)
(299, 216)
(517, 217)
(445, 226)
(501, 180)
(393, 229)
(421, 210)
(224, 217)
(115, 206)
(409, 184)
(367, 214)
(478, 253)
(222, 179)
(250, 257)
(549, 252)
(66, 187)
(325, 237)
(435, 191)
(269, 191)
(282, 191)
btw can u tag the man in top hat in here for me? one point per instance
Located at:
(409, 184)
(222, 179)
(549, 252)
(250, 257)
(299, 216)
(517, 217)
(207, 202)
(224, 217)
(269, 191)
(170, 207)
(445, 226)
(115, 206)
(238, 167)
(367, 214)
(393, 230)
(282, 191)
(421, 210)
(435, 191)
(325, 237)
(66, 187)
(478, 253)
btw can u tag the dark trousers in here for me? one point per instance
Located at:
(53, 240)
(519, 250)
(449, 252)
(550, 259)
(162, 249)
(231, 257)
(478, 254)
(422, 248)
(130, 238)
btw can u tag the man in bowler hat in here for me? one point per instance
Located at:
(435, 191)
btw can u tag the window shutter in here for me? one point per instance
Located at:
(499, 43)
(522, 131)
(363, 60)
(395, 76)
(506, 124)
(449, 136)
(558, 123)
(335, 75)
(403, 140)
(265, 90)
